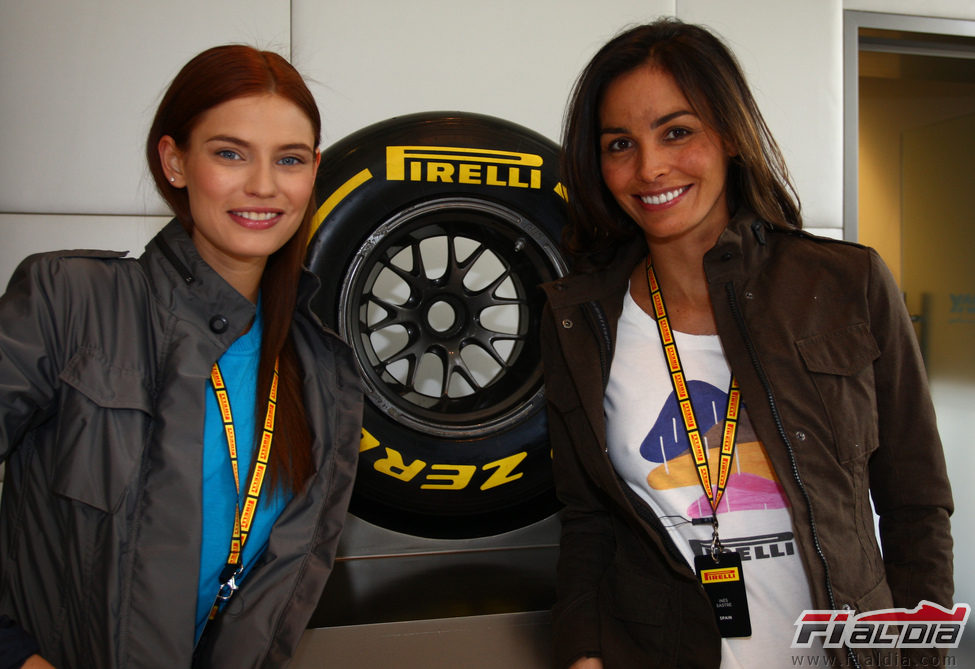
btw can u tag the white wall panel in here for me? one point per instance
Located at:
(832, 233)
(24, 234)
(792, 55)
(375, 59)
(946, 9)
(80, 83)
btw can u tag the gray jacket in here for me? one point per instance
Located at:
(103, 368)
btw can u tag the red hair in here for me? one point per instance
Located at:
(215, 76)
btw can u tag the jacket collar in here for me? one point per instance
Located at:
(599, 285)
(744, 240)
(187, 286)
(743, 243)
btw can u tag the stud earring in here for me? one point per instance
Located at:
(172, 179)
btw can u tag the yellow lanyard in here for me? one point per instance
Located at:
(691, 425)
(242, 519)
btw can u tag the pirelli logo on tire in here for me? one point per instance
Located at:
(451, 164)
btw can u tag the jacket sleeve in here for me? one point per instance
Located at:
(29, 371)
(908, 477)
(29, 362)
(587, 544)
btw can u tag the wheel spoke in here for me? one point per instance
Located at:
(487, 296)
(411, 353)
(452, 364)
(487, 341)
(395, 315)
(415, 277)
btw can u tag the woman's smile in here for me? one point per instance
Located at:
(257, 219)
(663, 199)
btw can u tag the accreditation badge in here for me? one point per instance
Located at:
(721, 575)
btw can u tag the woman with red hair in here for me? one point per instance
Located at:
(180, 431)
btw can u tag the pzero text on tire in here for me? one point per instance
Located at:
(434, 233)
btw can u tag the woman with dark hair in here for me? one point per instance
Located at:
(180, 431)
(726, 392)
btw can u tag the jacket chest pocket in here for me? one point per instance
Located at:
(841, 366)
(103, 420)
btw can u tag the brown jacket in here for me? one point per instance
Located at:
(817, 334)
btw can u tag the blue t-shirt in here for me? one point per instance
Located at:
(238, 365)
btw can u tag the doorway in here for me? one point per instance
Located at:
(910, 177)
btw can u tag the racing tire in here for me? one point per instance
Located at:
(435, 232)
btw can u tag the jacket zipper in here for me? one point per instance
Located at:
(177, 264)
(598, 319)
(756, 363)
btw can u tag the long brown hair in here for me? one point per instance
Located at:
(709, 76)
(211, 78)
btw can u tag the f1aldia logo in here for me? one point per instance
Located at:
(926, 626)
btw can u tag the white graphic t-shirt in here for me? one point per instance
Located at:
(649, 448)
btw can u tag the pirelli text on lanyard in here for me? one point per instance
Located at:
(243, 518)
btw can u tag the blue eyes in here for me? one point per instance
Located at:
(287, 161)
